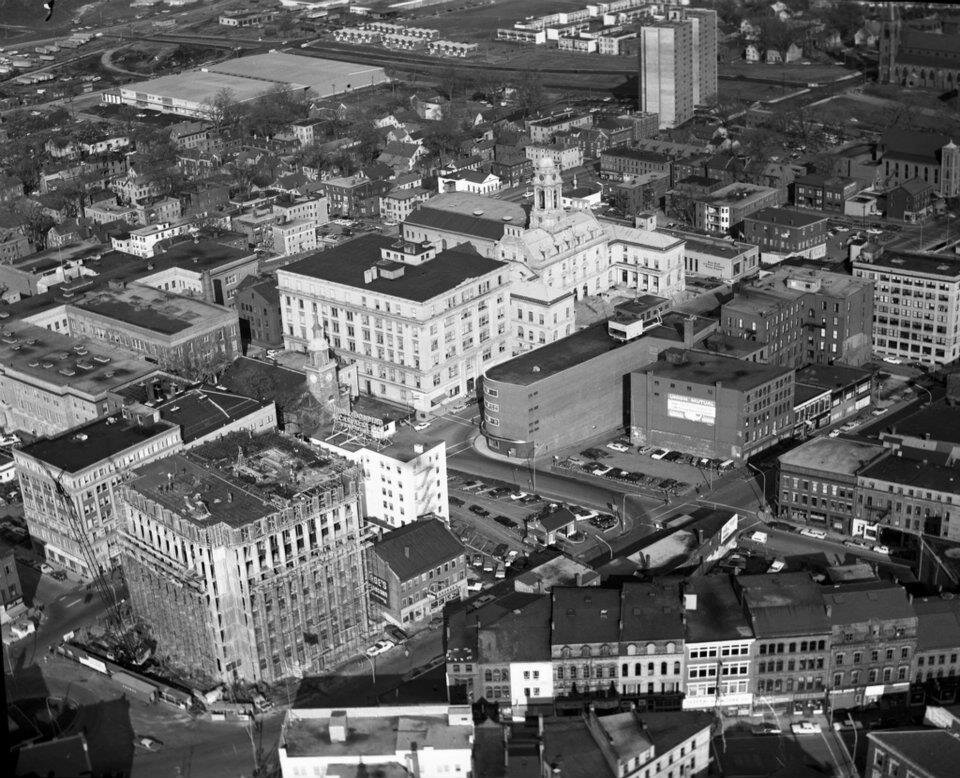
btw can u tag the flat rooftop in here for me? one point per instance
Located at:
(373, 732)
(916, 473)
(43, 355)
(541, 363)
(707, 368)
(238, 478)
(324, 76)
(156, 310)
(942, 265)
(832, 376)
(938, 420)
(832, 455)
(718, 614)
(103, 439)
(198, 412)
(347, 263)
(197, 86)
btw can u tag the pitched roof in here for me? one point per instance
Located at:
(466, 224)
(935, 751)
(417, 547)
(859, 602)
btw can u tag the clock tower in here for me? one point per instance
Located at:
(321, 369)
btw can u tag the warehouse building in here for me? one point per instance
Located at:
(710, 405)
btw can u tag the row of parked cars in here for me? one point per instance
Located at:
(644, 480)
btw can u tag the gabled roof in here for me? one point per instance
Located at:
(417, 547)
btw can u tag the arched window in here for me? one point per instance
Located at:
(604, 650)
(670, 648)
(638, 669)
(565, 652)
(631, 649)
(651, 648)
(585, 651)
(624, 669)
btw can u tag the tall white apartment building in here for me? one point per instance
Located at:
(420, 323)
(704, 51)
(666, 71)
(915, 305)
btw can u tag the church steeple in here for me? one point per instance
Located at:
(547, 195)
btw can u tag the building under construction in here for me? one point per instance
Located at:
(244, 557)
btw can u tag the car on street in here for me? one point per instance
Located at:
(834, 433)
(782, 526)
(380, 647)
(46, 568)
(878, 411)
(805, 728)
(482, 512)
(766, 728)
(620, 447)
(394, 632)
(147, 743)
(812, 532)
(881, 549)
(893, 360)
(58, 575)
(421, 426)
(759, 537)
(849, 426)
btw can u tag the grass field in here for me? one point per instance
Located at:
(746, 92)
(479, 19)
(879, 114)
(792, 72)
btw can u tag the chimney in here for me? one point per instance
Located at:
(370, 275)
(406, 551)
(689, 601)
(418, 448)
(688, 323)
(337, 728)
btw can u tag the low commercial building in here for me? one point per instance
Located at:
(789, 620)
(726, 260)
(817, 483)
(209, 541)
(911, 495)
(873, 635)
(572, 389)
(849, 390)
(428, 741)
(710, 405)
(785, 232)
(70, 484)
(938, 638)
(916, 304)
(414, 570)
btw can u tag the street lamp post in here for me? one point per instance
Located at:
(763, 480)
(373, 667)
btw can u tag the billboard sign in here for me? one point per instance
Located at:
(681, 406)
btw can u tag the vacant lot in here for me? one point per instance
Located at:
(479, 19)
(878, 114)
(746, 92)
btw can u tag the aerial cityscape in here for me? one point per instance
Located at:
(480, 388)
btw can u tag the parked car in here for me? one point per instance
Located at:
(766, 728)
(518, 495)
(658, 453)
(615, 446)
(530, 498)
(380, 647)
(148, 743)
(673, 456)
(456, 502)
(421, 426)
(805, 728)
(881, 549)
(759, 537)
(618, 473)
(597, 468)
(506, 522)
(500, 491)
(396, 633)
(472, 486)
(812, 532)
(482, 512)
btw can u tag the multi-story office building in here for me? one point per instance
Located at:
(873, 635)
(804, 316)
(50, 382)
(414, 570)
(422, 323)
(818, 483)
(69, 483)
(719, 646)
(784, 232)
(916, 298)
(789, 619)
(666, 71)
(710, 405)
(402, 479)
(725, 210)
(246, 555)
(915, 496)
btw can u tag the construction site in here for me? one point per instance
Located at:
(245, 554)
